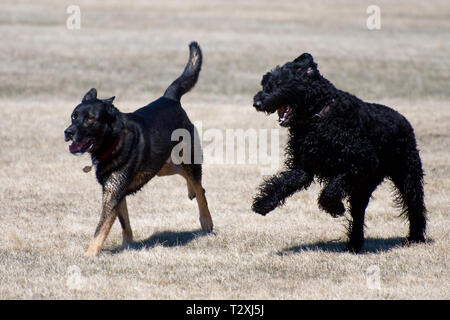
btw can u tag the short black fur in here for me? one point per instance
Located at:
(129, 149)
(348, 145)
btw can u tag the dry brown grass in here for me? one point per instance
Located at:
(49, 207)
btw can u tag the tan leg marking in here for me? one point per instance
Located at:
(107, 218)
(127, 233)
(170, 169)
(191, 191)
(199, 193)
(205, 216)
(195, 190)
(103, 230)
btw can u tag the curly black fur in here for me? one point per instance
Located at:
(347, 144)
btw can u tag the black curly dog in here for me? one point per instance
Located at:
(349, 145)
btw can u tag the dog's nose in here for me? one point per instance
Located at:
(68, 134)
(257, 104)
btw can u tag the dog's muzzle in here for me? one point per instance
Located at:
(77, 147)
(68, 134)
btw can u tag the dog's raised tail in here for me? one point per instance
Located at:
(189, 77)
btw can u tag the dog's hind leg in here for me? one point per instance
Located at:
(127, 233)
(358, 205)
(330, 199)
(359, 199)
(408, 179)
(170, 169)
(193, 174)
(205, 215)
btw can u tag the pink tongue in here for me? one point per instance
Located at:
(75, 147)
(281, 110)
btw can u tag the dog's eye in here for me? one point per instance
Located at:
(74, 116)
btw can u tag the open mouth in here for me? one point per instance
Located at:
(284, 115)
(81, 147)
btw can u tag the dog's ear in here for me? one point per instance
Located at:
(90, 96)
(115, 116)
(108, 101)
(265, 79)
(304, 58)
(111, 110)
(305, 61)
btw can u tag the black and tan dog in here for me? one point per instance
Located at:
(129, 149)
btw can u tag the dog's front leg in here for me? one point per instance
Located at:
(331, 197)
(109, 213)
(274, 191)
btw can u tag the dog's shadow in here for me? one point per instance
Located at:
(163, 239)
(371, 245)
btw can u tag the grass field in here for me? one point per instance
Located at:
(49, 208)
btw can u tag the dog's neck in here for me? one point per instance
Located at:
(321, 96)
(107, 151)
(317, 102)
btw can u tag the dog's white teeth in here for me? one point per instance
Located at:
(89, 148)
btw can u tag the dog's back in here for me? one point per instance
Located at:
(160, 118)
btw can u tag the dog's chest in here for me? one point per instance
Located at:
(319, 149)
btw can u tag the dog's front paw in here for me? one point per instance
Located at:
(91, 253)
(263, 205)
(93, 250)
(335, 208)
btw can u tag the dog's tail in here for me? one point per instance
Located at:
(189, 77)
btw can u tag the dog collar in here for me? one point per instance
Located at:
(319, 116)
(108, 152)
(104, 156)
